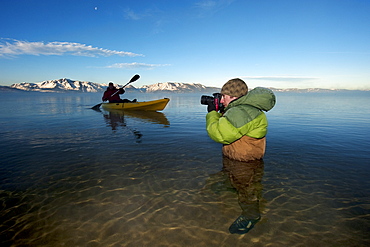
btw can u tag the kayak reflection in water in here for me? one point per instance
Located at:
(245, 178)
(115, 120)
(112, 95)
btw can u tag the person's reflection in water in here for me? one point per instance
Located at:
(115, 120)
(246, 178)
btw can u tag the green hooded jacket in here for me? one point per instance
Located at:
(243, 117)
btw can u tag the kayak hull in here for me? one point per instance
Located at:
(153, 105)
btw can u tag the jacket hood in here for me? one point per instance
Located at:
(260, 97)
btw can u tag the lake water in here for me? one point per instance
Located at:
(72, 176)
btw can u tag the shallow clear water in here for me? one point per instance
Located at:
(72, 176)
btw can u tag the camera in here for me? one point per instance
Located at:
(216, 100)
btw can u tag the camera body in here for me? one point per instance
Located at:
(216, 100)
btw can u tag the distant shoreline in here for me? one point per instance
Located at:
(133, 90)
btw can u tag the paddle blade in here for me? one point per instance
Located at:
(96, 107)
(135, 78)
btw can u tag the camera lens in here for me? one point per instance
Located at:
(204, 100)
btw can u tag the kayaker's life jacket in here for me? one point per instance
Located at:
(112, 96)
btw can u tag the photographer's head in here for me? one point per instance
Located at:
(232, 90)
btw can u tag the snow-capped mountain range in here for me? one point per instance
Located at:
(59, 85)
(177, 87)
(68, 85)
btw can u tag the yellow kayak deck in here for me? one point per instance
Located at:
(153, 105)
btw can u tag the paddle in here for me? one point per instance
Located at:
(134, 78)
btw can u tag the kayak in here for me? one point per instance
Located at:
(153, 105)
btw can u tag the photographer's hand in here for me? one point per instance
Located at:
(211, 107)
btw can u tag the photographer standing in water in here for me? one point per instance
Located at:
(241, 125)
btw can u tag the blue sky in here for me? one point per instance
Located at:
(270, 43)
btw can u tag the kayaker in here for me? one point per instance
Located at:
(112, 94)
(242, 128)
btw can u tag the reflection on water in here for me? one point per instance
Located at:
(116, 118)
(153, 117)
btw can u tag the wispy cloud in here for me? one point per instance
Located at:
(13, 48)
(131, 15)
(207, 7)
(156, 17)
(280, 78)
(135, 66)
